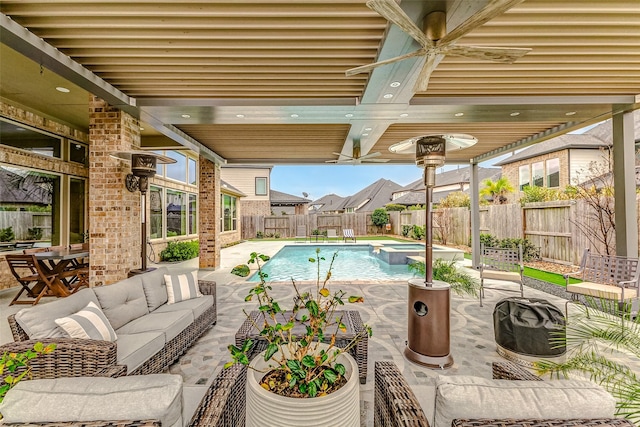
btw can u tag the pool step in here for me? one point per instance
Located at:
(415, 258)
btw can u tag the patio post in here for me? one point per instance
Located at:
(474, 189)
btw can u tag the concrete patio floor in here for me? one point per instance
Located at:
(385, 310)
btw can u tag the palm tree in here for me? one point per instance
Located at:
(598, 343)
(497, 190)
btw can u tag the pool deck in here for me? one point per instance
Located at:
(384, 309)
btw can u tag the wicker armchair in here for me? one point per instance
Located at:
(222, 406)
(395, 405)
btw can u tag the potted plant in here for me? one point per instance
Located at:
(301, 378)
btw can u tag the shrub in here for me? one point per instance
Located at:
(34, 233)
(6, 234)
(446, 271)
(540, 194)
(489, 241)
(180, 251)
(457, 199)
(529, 251)
(259, 235)
(379, 217)
(417, 232)
(394, 207)
(406, 229)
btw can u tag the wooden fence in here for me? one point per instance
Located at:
(557, 228)
(21, 221)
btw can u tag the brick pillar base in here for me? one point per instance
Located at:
(209, 226)
(114, 212)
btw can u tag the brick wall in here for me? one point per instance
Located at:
(114, 212)
(512, 174)
(255, 207)
(209, 219)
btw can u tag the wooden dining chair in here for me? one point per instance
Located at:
(33, 279)
(35, 250)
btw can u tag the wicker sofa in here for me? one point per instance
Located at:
(151, 334)
(396, 405)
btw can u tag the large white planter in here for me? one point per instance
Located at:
(340, 408)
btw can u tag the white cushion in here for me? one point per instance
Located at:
(501, 275)
(600, 290)
(88, 323)
(468, 397)
(138, 397)
(181, 287)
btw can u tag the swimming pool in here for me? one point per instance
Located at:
(354, 262)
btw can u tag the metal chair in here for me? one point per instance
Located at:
(301, 233)
(332, 234)
(501, 264)
(33, 279)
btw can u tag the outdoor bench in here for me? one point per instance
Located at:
(148, 333)
(608, 277)
(501, 264)
(455, 397)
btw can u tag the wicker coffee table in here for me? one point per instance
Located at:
(351, 320)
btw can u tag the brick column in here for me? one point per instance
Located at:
(209, 213)
(114, 212)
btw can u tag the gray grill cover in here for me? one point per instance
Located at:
(524, 326)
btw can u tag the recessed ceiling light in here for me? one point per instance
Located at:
(404, 115)
(395, 84)
(387, 95)
(62, 89)
(294, 115)
(185, 116)
(569, 113)
(348, 115)
(141, 128)
(459, 114)
(367, 129)
(240, 116)
(365, 134)
(20, 129)
(515, 113)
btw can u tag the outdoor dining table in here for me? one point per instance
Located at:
(55, 263)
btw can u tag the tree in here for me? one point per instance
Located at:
(456, 199)
(379, 217)
(497, 190)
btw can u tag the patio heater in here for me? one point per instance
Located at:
(143, 167)
(429, 331)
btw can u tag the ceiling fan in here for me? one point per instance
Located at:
(356, 158)
(435, 41)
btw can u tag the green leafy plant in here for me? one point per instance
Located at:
(497, 190)
(394, 207)
(456, 199)
(599, 338)
(259, 235)
(34, 233)
(6, 234)
(417, 232)
(446, 271)
(406, 229)
(14, 367)
(180, 251)
(379, 217)
(301, 369)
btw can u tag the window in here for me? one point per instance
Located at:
(228, 215)
(537, 171)
(193, 171)
(524, 177)
(78, 153)
(76, 210)
(155, 206)
(177, 170)
(261, 186)
(19, 136)
(553, 173)
(176, 213)
(31, 204)
(193, 214)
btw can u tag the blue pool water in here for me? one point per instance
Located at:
(354, 262)
(405, 246)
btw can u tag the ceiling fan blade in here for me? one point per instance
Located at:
(331, 161)
(392, 12)
(376, 160)
(425, 74)
(493, 9)
(496, 54)
(370, 155)
(369, 67)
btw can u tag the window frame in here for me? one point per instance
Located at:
(547, 174)
(266, 185)
(521, 186)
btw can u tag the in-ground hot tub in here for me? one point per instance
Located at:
(398, 253)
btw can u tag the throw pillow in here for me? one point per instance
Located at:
(181, 287)
(88, 323)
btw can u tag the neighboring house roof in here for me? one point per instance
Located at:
(604, 130)
(228, 188)
(328, 203)
(607, 180)
(415, 190)
(558, 143)
(279, 198)
(376, 195)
